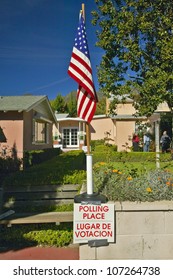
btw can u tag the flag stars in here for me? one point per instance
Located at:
(80, 40)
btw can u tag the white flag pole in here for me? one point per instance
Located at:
(88, 155)
(89, 196)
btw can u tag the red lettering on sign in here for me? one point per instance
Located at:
(98, 216)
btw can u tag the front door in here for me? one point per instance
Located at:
(70, 137)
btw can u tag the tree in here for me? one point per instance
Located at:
(59, 105)
(72, 104)
(101, 106)
(137, 37)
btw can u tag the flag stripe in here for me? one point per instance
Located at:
(79, 77)
(82, 59)
(80, 70)
(86, 105)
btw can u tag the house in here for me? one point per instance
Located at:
(118, 129)
(70, 132)
(115, 129)
(25, 124)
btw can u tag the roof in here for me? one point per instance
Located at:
(61, 116)
(19, 103)
(127, 117)
(100, 116)
(25, 103)
(121, 98)
(119, 117)
(65, 117)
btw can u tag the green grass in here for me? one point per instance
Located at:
(62, 169)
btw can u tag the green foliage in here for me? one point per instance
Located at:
(102, 146)
(112, 156)
(131, 186)
(101, 106)
(95, 143)
(50, 237)
(36, 235)
(38, 156)
(137, 39)
(59, 105)
(8, 165)
(63, 169)
(72, 105)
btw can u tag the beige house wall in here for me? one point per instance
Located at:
(117, 132)
(125, 130)
(66, 124)
(12, 126)
(18, 130)
(69, 124)
(100, 127)
(118, 129)
(125, 109)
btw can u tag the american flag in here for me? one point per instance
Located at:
(80, 70)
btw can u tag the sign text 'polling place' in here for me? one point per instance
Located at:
(93, 222)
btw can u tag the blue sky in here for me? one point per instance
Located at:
(37, 38)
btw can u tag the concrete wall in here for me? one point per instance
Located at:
(142, 231)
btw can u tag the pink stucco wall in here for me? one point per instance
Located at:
(119, 132)
(12, 126)
(100, 126)
(125, 130)
(17, 128)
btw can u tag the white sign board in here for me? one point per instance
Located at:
(93, 222)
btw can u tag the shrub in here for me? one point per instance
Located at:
(38, 156)
(112, 156)
(148, 186)
(36, 234)
(58, 238)
(95, 143)
(9, 164)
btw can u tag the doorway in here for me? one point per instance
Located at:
(70, 137)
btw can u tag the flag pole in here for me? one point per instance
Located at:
(88, 196)
(87, 124)
(88, 155)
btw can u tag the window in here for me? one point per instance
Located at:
(40, 132)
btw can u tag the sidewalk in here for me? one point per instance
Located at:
(41, 253)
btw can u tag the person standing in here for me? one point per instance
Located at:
(165, 142)
(135, 141)
(146, 142)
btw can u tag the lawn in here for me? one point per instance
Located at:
(113, 173)
(119, 176)
(66, 168)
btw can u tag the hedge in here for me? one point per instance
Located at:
(38, 156)
(112, 156)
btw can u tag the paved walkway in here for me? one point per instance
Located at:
(40, 253)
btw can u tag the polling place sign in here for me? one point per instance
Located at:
(93, 222)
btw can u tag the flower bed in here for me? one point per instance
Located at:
(129, 185)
